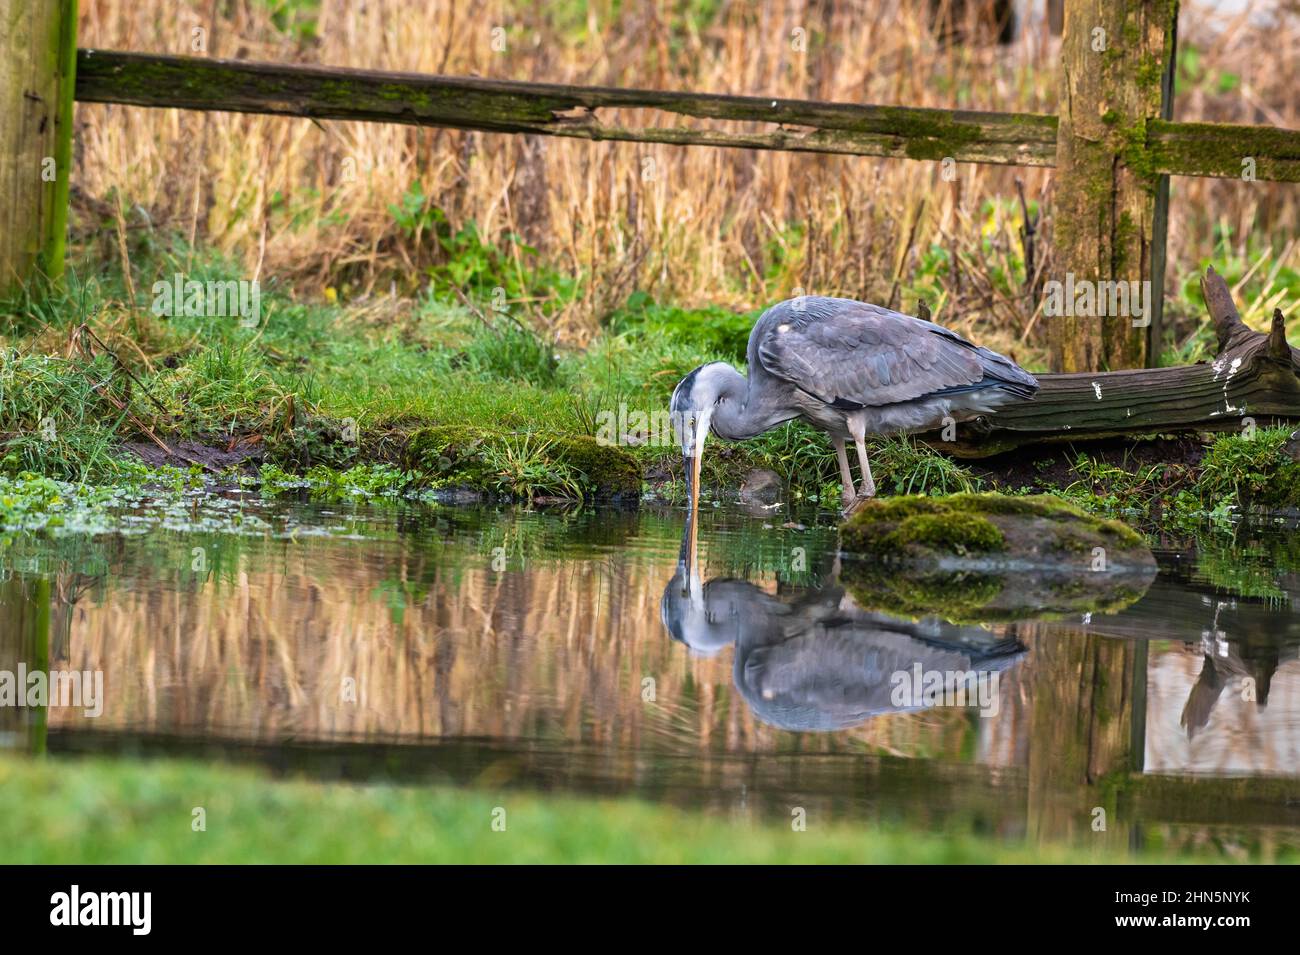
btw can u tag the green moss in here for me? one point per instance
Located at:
(959, 597)
(1138, 157)
(442, 447)
(1069, 542)
(1150, 71)
(609, 470)
(899, 508)
(954, 532)
(1218, 149)
(1039, 505)
(968, 523)
(930, 134)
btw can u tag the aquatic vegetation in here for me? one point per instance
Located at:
(523, 466)
(360, 482)
(31, 502)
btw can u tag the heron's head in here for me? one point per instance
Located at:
(694, 400)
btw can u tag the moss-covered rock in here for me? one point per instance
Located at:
(957, 532)
(1039, 527)
(988, 557)
(956, 597)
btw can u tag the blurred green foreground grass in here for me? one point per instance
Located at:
(106, 811)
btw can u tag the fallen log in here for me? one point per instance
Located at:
(1254, 375)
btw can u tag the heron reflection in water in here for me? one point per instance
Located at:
(818, 661)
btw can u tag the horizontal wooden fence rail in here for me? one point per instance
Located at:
(1023, 139)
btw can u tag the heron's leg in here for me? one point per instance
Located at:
(868, 488)
(846, 476)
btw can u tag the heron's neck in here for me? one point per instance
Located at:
(745, 412)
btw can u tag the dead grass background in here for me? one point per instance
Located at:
(309, 202)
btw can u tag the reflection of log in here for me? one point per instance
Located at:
(1254, 374)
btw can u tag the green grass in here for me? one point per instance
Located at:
(103, 811)
(1251, 469)
(313, 374)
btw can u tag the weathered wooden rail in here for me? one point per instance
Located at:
(504, 106)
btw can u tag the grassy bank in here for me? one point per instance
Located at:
(99, 811)
(434, 395)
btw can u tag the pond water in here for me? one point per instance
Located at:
(570, 652)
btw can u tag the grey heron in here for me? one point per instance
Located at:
(818, 661)
(849, 368)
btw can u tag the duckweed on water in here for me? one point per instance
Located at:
(31, 502)
(361, 482)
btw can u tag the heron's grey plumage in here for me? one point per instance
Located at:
(818, 661)
(852, 369)
(852, 356)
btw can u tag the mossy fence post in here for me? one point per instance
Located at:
(38, 58)
(1117, 62)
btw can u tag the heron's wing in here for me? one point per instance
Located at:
(851, 354)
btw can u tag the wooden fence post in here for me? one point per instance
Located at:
(38, 57)
(1117, 61)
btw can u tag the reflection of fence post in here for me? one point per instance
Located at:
(25, 639)
(1117, 62)
(1080, 731)
(38, 58)
(38, 644)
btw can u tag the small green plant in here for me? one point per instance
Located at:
(1250, 470)
(521, 467)
(908, 467)
(31, 502)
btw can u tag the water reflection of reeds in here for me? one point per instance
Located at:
(556, 646)
(559, 651)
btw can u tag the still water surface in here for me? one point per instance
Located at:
(503, 648)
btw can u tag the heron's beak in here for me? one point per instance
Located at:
(691, 466)
(692, 433)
